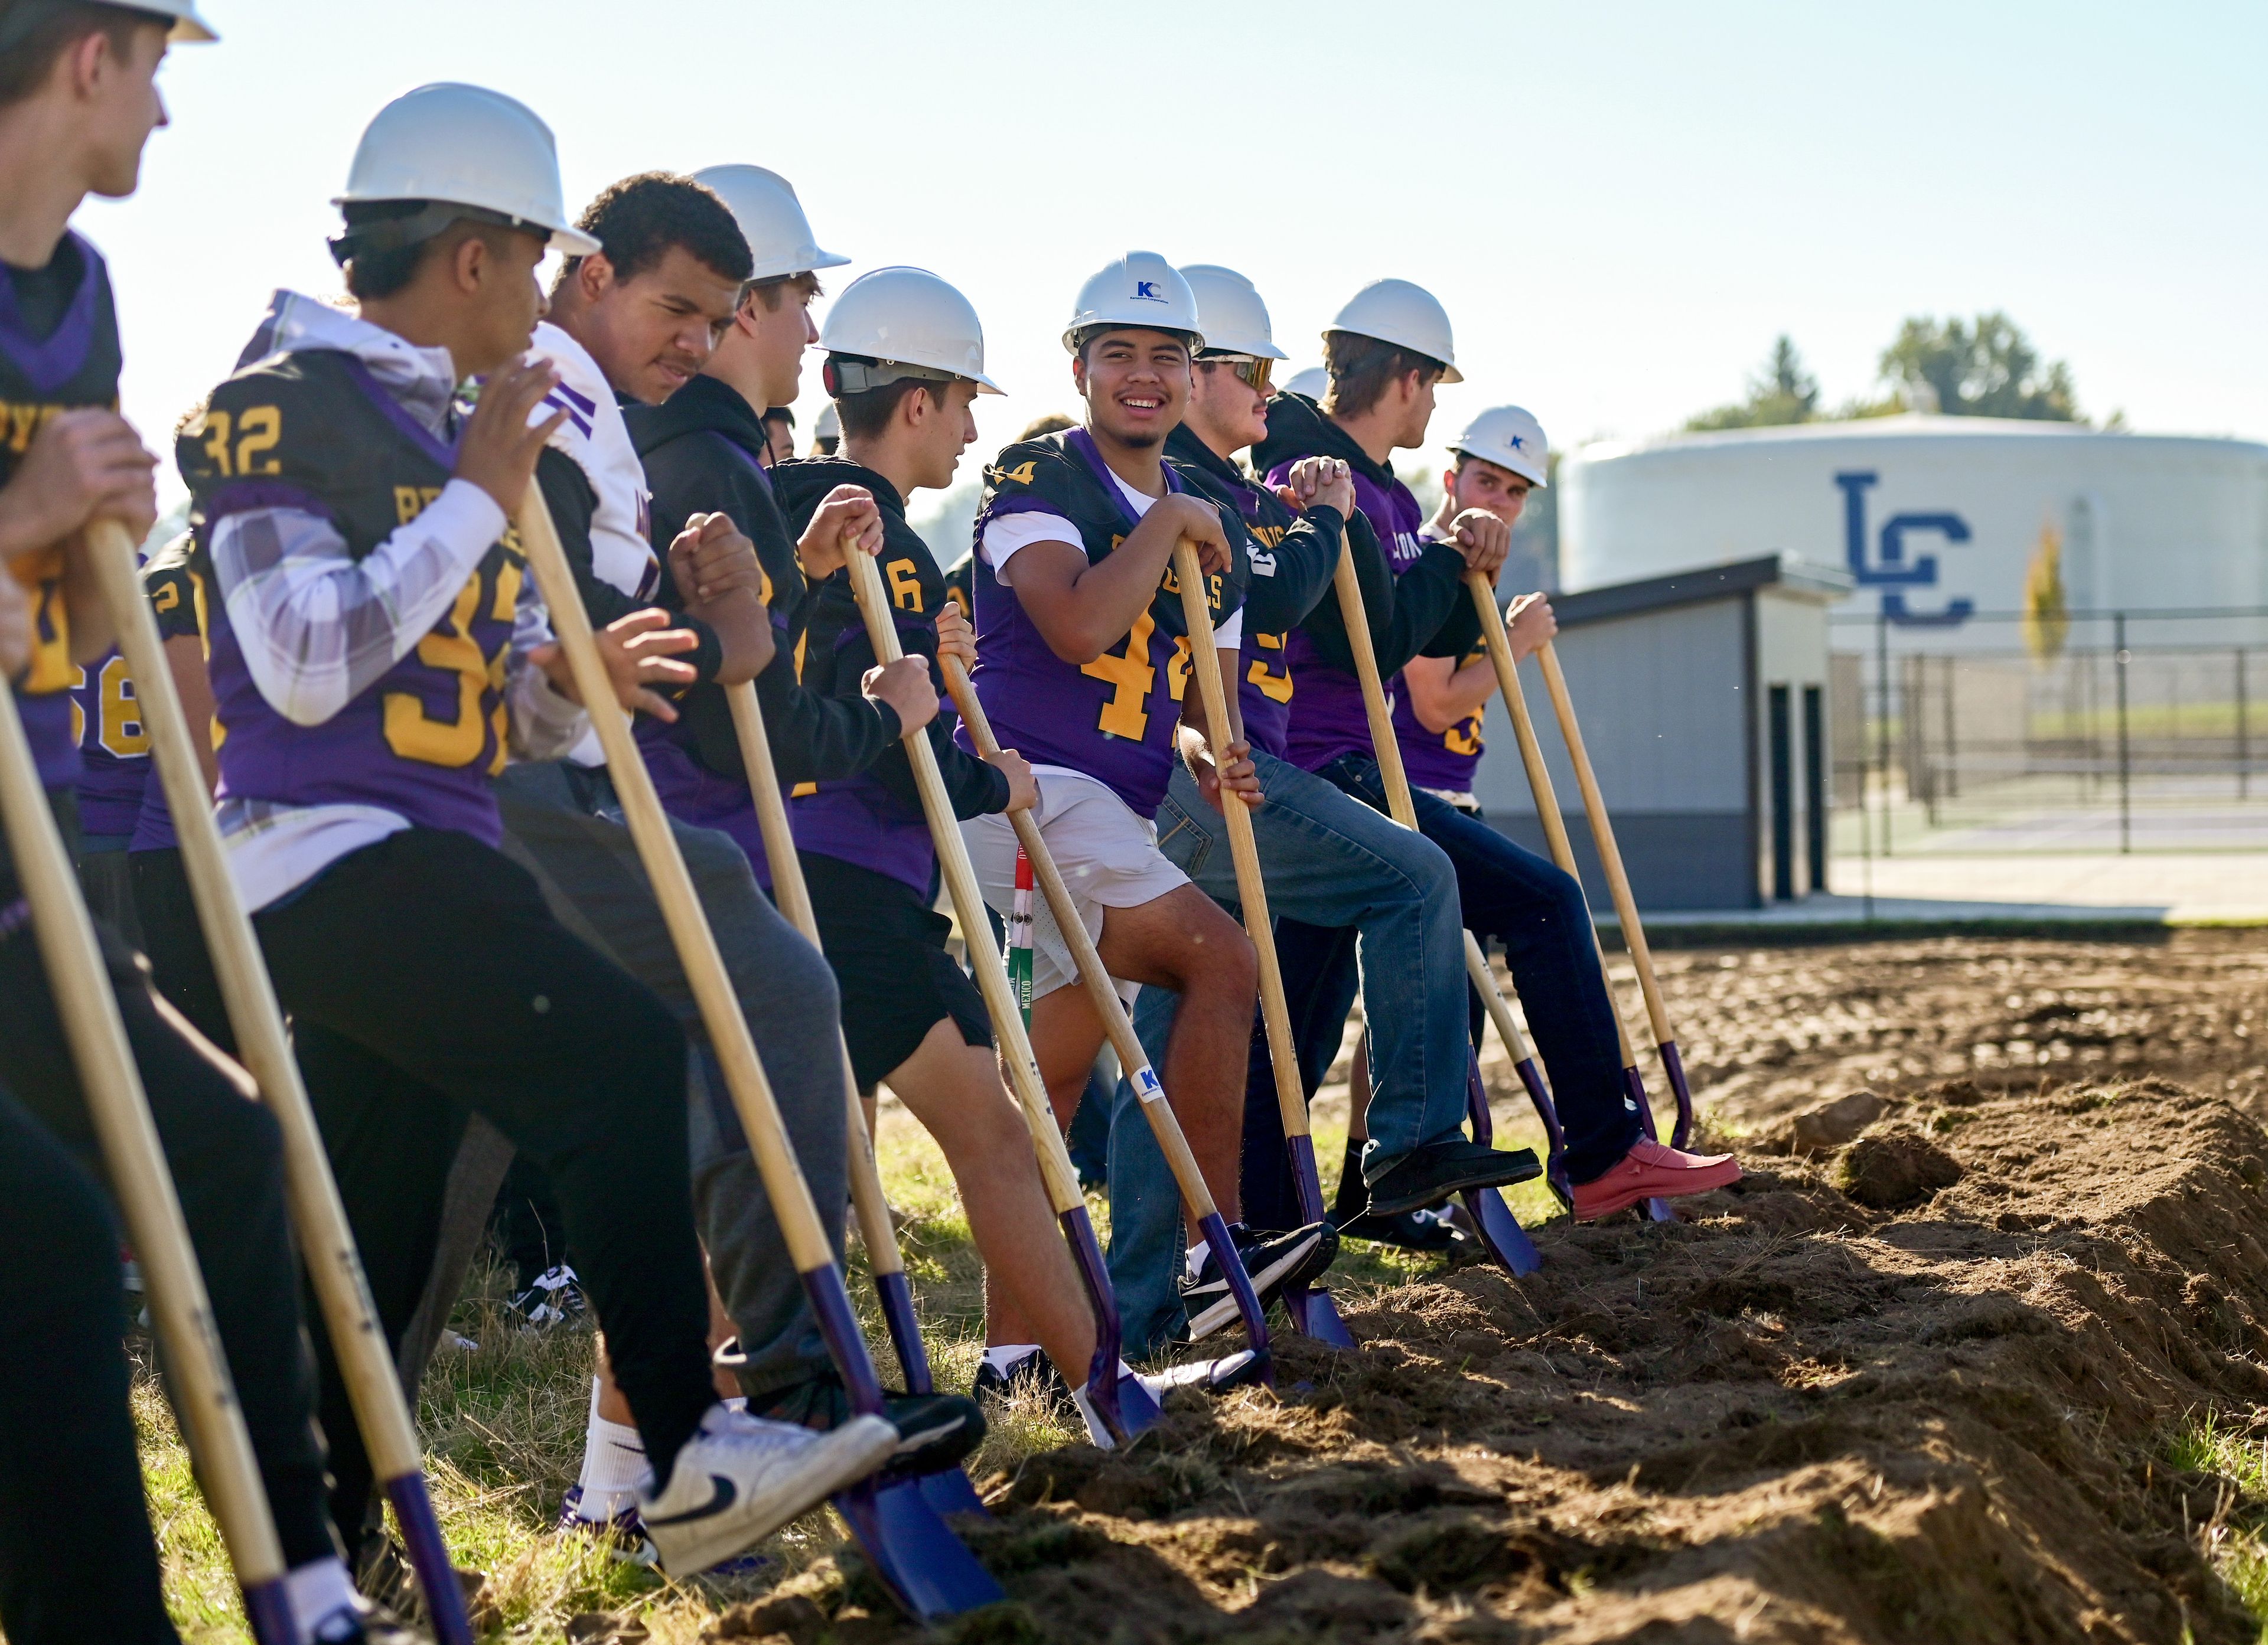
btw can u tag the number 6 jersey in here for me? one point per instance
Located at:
(372, 612)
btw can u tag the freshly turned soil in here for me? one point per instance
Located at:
(1917, 1388)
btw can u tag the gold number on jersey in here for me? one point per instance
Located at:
(1277, 688)
(413, 733)
(123, 732)
(1127, 712)
(1463, 737)
(905, 585)
(257, 429)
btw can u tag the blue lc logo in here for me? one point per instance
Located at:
(1890, 570)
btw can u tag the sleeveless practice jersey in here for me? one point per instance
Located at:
(70, 364)
(1294, 556)
(1445, 760)
(314, 431)
(1112, 718)
(175, 584)
(875, 819)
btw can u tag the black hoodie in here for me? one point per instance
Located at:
(1425, 612)
(701, 450)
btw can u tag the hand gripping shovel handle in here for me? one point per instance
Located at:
(927, 1570)
(1123, 1406)
(949, 1492)
(334, 1264)
(1311, 1309)
(1610, 858)
(195, 1363)
(1102, 994)
(1507, 1242)
(1555, 835)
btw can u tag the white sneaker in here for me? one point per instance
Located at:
(740, 1477)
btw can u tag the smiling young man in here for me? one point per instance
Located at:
(1385, 351)
(1082, 663)
(378, 653)
(1330, 861)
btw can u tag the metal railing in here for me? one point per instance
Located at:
(2141, 730)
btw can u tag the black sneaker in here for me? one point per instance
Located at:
(935, 1430)
(554, 1297)
(1428, 1175)
(1425, 1230)
(1033, 1372)
(1273, 1261)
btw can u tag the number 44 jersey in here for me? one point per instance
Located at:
(1112, 718)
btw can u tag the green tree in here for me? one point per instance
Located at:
(1983, 368)
(1781, 392)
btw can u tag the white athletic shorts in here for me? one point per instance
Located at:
(1107, 856)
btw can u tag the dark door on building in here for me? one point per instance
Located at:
(1782, 754)
(1815, 781)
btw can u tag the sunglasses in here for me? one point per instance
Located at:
(1248, 371)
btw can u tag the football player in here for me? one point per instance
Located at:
(377, 652)
(1082, 662)
(1386, 351)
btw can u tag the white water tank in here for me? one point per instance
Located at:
(1935, 517)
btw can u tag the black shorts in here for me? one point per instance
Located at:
(887, 949)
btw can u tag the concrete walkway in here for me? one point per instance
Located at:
(1943, 889)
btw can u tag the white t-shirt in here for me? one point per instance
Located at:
(1003, 537)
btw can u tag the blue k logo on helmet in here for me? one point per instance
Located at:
(1140, 290)
(1147, 290)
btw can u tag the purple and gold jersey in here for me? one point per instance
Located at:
(114, 750)
(44, 370)
(1328, 720)
(311, 430)
(1112, 718)
(176, 584)
(1444, 760)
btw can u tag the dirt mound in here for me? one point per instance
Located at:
(1799, 1417)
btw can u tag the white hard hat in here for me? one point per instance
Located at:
(1510, 438)
(907, 317)
(1407, 316)
(1140, 289)
(189, 29)
(771, 220)
(1233, 317)
(465, 145)
(1314, 383)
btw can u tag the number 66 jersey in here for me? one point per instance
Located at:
(1113, 718)
(371, 613)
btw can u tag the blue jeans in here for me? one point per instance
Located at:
(1330, 862)
(1536, 911)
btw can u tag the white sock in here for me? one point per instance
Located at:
(318, 1591)
(1196, 1258)
(614, 1465)
(1006, 1357)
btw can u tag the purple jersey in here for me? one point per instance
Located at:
(1112, 718)
(423, 739)
(58, 352)
(114, 749)
(1447, 759)
(1328, 719)
(175, 584)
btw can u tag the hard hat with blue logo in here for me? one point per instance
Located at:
(1510, 438)
(1407, 316)
(1140, 289)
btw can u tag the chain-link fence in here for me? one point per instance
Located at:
(2113, 732)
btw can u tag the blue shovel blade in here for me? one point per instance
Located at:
(1501, 1231)
(1314, 1314)
(925, 1566)
(950, 1492)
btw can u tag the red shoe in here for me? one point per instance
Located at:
(1651, 1171)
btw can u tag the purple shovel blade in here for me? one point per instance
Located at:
(1216, 1235)
(1675, 1065)
(916, 1556)
(1634, 1087)
(429, 1557)
(1555, 1159)
(268, 1609)
(1120, 1403)
(1313, 1312)
(948, 1490)
(1493, 1223)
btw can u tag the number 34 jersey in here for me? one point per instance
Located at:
(1112, 718)
(314, 432)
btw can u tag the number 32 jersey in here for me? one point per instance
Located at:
(1112, 718)
(314, 432)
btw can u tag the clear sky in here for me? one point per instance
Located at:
(1620, 205)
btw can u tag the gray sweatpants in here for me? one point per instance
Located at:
(563, 824)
